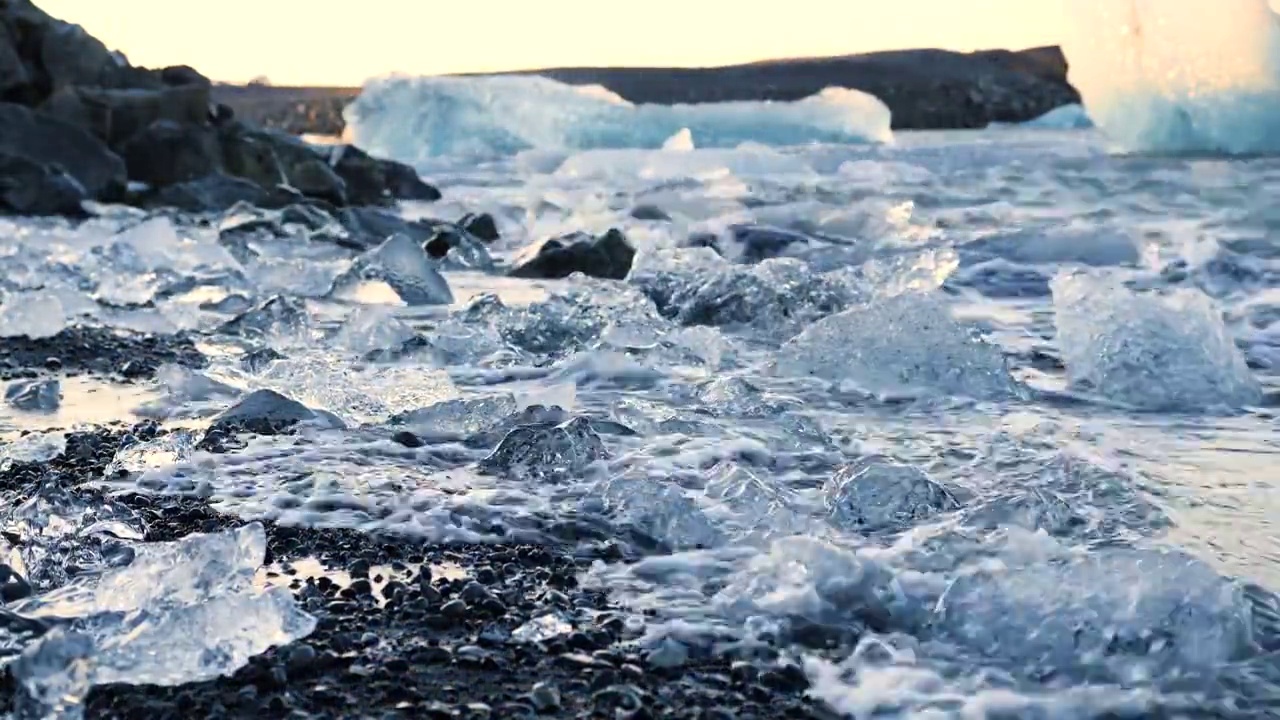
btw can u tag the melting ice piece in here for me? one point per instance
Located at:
(682, 141)
(900, 345)
(662, 510)
(181, 612)
(403, 265)
(1156, 352)
(459, 417)
(547, 451)
(1067, 117)
(542, 628)
(163, 451)
(34, 314)
(1117, 607)
(277, 316)
(1195, 76)
(879, 493)
(416, 119)
(33, 448)
(371, 328)
(34, 395)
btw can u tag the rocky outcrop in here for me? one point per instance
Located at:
(605, 256)
(71, 109)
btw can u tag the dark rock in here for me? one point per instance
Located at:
(116, 115)
(70, 56)
(407, 439)
(28, 187)
(606, 256)
(212, 193)
(270, 159)
(482, 226)
(373, 181)
(169, 153)
(49, 141)
(650, 212)
(14, 75)
(179, 75)
(265, 412)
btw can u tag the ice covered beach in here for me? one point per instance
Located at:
(706, 410)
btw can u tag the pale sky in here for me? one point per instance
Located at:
(327, 42)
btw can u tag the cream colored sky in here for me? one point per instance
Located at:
(327, 42)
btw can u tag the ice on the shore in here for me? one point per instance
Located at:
(1194, 76)
(181, 612)
(402, 265)
(1156, 352)
(34, 314)
(1066, 117)
(416, 119)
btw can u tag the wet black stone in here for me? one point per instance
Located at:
(482, 226)
(408, 439)
(606, 256)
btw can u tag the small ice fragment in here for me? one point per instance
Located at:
(33, 314)
(33, 448)
(373, 328)
(563, 396)
(166, 450)
(34, 395)
(682, 141)
(403, 265)
(878, 493)
(541, 629)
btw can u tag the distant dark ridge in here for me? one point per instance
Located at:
(925, 89)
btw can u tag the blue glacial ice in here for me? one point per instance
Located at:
(1066, 117)
(417, 119)
(1185, 77)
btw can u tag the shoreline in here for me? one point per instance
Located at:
(925, 89)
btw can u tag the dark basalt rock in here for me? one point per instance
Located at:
(605, 256)
(372, 181)
(481, 226)
(171, 153)
(211, 193)
(28, 187)
(48, 141)
(267, 412)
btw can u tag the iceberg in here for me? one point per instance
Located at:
(417, 119)
(1176, 78)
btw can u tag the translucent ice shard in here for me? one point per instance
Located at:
(415, 119)
(879, 493)
(403, 265)
(34, 314)
(1156, 352)
(547, 451)
(370, 329)
(181, 612)
(34, 395)
(900, 345)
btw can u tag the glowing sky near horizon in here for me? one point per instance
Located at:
(344, 43)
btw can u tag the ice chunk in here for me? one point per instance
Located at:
(160, 452)
(682, 141)
(33, 448)
(1197, 76)
(415, 119)
(402, 264)
(1118, 607)
(900, 345)
(34, 395)
(1149, 351)
(542, 628)
(547, 451)
(879, 493)
(277, 317)
(33, 314)
(662, 510)
(181, 612)
(370, 329)
(459, 417)
(1066, 117)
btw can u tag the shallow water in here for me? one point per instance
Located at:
(876, 434)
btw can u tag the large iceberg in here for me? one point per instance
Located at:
(1178, 76)
(416, 119)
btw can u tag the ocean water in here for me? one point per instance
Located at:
(978, 424)
(1007, 413)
